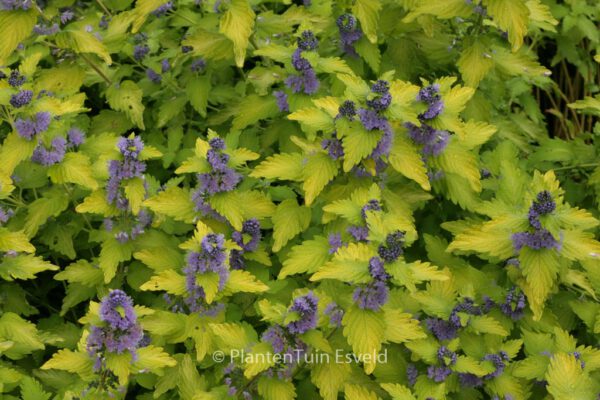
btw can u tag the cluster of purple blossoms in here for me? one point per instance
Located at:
(21, 99)
(50, 156)
(433, 140)
(448, 329)
(15, 79)
(335, 314)
(349, 33)
(335, 242)
(129, 167)
(514, 305)
(220, 179)
(289, 346)
(198, 65)
(46, 29)
(5, 215)
(306, 308)
(121, 332)
(306, 79)
(153, 76)
(140, 51)
(361, 232)
(371, 117)
(499, 361)
(447, 358)
(282, 100)
(28, 128)
(347, 109)
(234, 379)
(374, 294)
(210, 258)
(334, 147)
(165, 65)
(540, 238)
(163, 9)
(66, 15)
(135, 227)
(431, 96)
(9, 5)
(392, 249)
(412, 373)
(251, 232)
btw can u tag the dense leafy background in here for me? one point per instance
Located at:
(451, 223)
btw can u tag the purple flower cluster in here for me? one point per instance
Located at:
(66, 15)
(198, 65)
(347, 109)
(46, 29)
(392, 249)
(153, 76)
(412, 373)
(75, 137)
(433, 141)
(306, 308)
(282, 100)
(374, 294)
(335, 314)
(51, 156)
(358, 232)
(447, 329)
(349, 32)
(21, 98)
(542, 205)
(499, 361)
(129, 167)
(306, 79)
(372, 205)
(431, 96)
(234, 379)
(15, 79)
(335, 242)
(165, 66)
(5, 215)
(379, 100)
(9, 5)
(334, 147)
(446, 358)
(251, 233)
(121, 332)
(210, 258)
(163, 9)
(289, 346)
(28, 128)
(514, 305)
(134, 227)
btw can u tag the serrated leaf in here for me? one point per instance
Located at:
(357, 143)
(319, 170)
(153, 359)
(307, 257)
(75, 168)
(258, 359)
(401, 327)
(405, 158)
(398, 392)
(365, 331)
(487, 324)
(512, 16)
(285, 166)
(111, 254)
(349, 264)
(237, 24)
(312, 119)
(198, 90)
(67, 360)
(81, 272)
(31, 389)
(276, 389)
(127, 97)
(244, 281)
(567, 380)
(289, 220)
(15, 26)
(329, 376)
(540, 268)
(81, 41)
(135, 192)
(23, 267)
(174, 202)
(367, 12)
(473, 63)
(169, 280)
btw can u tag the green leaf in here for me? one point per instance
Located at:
(540, 268)
(473, 63)
(231, 206)
(312, 119)
(259, 359)
(22, 333)
(349, 264)
(401, 327)
(54, 202)
(111, 255)
(174, 202)
(127, 97)
(71, 361)
(512, 16)
(398, 392)
(367, 12)
(23, 267)
(81, 272)
(212, 46)
(567, 380)
(289, 220)
(329, 376)
(276, 389)
(15, 26)
(442, 9)
(75, 168)
(406, 159)
(237, 24)
(230, 336)
(15, 241)
(81, 41)
(365, 331)
(307, 257)
(252, 109)
(319, 170)
(135, 192)
(369, 52)
(153, 359)
(284, 166)
(198, 90)
(244, 281)
(486, 324)
(357, 392)
(169, 280)
(31, 389)
(357, 142)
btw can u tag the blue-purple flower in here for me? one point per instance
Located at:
(392, 249)
(15, 79)
(21, 98)
(433, 141)
(249, 237)
(282, 100)
(514, 304)
(349, 32)
(306, 79)
(335, 314)
(153, 76)
(140, 51)
(28, 128)
(50, 156)
(129, 167)
(306, 308)
(431, 96)
(15, 4)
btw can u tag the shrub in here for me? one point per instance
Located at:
(277, 200)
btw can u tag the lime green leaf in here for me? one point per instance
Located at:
(174, 202)
(442, 9)
(135, 191)
(252, 109)
(401, 327)
(111, 255)
(237, 24)
(365, 331)
(75, 168)
(16, 241)
(81, 272)
(197, 91)
(329, 376)
(540, 15)
(22, 333)
(367, 12)
(14, 150)
(258, 359)
(398, 392)
(168, 280)
(127, 97)
(67, 360)
(356, 392)
(15, 26)
(212, 46)
(369, 52)
(285, 166)
(229, 205)
(318, 171)
(120, 365)
(540, 268)
(357, 143)
(307, 257)
(567, 380)
(153, 359)
(512, 16)
(276, 389)
(142, 9)
(230, 336)
(81, 41)
(473, 63)
(23, 267)
(244, 281)
(312, 119)
(405, 158)
(53, 203)
(31, 389)
(95, 203)
(289, 220)
(349, 264)
(486, 324)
